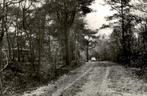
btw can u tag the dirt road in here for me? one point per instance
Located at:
(96, 79)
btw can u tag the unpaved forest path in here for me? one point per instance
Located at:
(95, 79)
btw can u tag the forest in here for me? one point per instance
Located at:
(40, 40)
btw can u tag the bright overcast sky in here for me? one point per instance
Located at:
(97, 18)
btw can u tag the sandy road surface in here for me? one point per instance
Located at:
(63, 83)
(95, 79)
(109, 79)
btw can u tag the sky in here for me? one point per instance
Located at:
(97, 18)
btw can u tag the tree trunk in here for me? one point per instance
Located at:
(67, 47)
(123, 35)
(1, 77)
(87, 51)
(41, 40)
(1, 39)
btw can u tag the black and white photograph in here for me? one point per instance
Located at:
(73, 47)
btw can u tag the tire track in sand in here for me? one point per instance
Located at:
(62, 89)
(103, 87)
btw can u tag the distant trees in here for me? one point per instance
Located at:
(122, 8)
(66, 11)
(128, 28)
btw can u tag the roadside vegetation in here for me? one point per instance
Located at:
(127, 43)
(40, 40)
